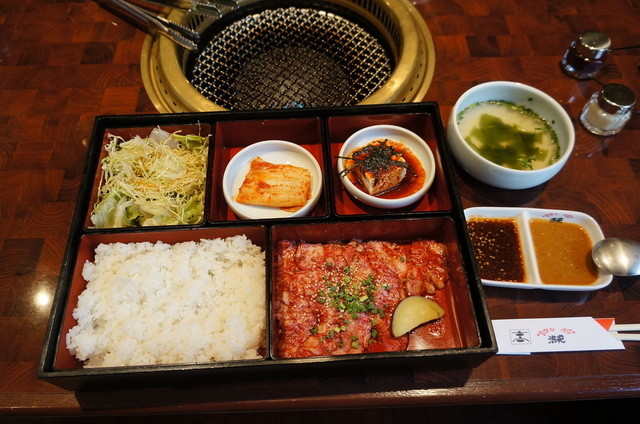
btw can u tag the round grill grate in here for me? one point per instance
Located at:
(285, 57)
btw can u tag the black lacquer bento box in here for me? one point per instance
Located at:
(466, 338)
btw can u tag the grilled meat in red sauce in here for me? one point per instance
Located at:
(335, 299)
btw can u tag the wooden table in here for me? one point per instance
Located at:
(64, 62)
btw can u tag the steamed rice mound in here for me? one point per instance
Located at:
(190, 302)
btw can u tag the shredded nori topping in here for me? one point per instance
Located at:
(374, 157)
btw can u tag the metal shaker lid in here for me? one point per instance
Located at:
(593, 44)
(616, 98)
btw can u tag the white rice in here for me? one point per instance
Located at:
(190, 302)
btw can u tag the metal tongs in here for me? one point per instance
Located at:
(155, 23)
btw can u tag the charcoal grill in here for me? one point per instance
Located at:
(292, 54)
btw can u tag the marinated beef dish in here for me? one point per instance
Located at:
(339, 298)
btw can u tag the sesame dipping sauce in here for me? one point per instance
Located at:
(497, 248)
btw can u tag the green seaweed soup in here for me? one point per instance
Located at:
(509, 135)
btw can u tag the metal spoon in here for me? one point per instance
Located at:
(617, 256)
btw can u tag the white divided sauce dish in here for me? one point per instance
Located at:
(274, 151)
(522, 217)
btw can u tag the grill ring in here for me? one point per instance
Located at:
(278, 55)
(399, 31)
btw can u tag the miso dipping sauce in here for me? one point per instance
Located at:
(509, 135)
(563, 252)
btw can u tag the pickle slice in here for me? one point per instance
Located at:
(412, 312)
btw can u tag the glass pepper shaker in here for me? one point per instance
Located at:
(608, 110)
(586, 55)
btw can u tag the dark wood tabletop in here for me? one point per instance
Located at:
(63, 62)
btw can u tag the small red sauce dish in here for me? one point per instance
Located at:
(416, 155)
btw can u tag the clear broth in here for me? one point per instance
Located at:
(509, 135)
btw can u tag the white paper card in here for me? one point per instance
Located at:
(524, 336)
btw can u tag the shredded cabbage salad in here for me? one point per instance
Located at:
(158, 180)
